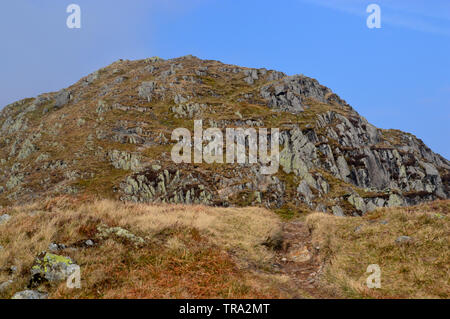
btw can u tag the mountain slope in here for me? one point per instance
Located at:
(109, 135)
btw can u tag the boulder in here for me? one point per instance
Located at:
(62, 98)
(52, 268)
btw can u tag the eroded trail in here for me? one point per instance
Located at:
(298, 260)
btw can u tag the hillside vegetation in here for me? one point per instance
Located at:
(184, 251)
(410, 245)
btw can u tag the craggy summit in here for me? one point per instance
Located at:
(109, 135)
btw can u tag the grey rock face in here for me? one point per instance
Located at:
(251, 76)
(146, 90)
(27, 149)
(202, 71)
(30, 294)
(92, 77)
(154, 59)
(344, 171)
(12, 125)
(304, 190)
(189, 110)
(179, 99)
(321, 208)
(395, 201)
(41, 100)
(124, 160)
(337, 211)
(275, 75)
(288, 93)
(358, 203)
(62, 98)
(165, 186)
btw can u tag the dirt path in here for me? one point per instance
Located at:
(298, 261)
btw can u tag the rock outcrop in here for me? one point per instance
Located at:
(109, 135)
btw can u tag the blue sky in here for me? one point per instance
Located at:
(396, 76)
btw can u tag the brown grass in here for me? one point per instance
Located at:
(419, 269)
(190, 251)
(207, 252)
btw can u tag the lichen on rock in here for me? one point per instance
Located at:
(106, 232)
(52, 268)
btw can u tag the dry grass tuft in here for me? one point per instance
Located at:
(419, 269)
(190, 251)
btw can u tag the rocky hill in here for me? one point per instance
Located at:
(109, 135)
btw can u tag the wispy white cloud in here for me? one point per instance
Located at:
(418, 15)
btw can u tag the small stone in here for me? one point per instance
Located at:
(4, 218)
(403, 240)
(105, 232)
(89, 243)
(55, 247)
(30, 294)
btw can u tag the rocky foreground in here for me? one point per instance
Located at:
(109, 135)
